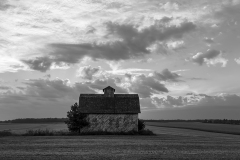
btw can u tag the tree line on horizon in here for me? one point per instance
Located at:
(35, 120)
(55, 120)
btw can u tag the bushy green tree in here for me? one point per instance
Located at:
(141, 125)
(76, 120)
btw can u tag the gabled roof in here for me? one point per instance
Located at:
(109, 87)
(119, 103)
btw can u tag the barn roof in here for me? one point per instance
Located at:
(119, 103)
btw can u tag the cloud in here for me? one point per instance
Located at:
(208, 40)
(87, 72)
(9, 63)
(217, 60)
(48, 76)
(129, 76)
(91, 30)
(41, 98)
(168, 102)
(43, 93)
(194, 107)
(170, 6)
(99, 84)
(131, 43)
(4, 88)
(147, 104)
(41, 64)
(135, 71)
(211, 57)
(237, 60)
(222, 100)
(175, 45)
(200, 57)
(146, 86)
(196, 78)
(166, 75)
(4, 5)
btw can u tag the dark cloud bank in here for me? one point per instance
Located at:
(133, 43)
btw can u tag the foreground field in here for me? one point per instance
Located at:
(219, 128)
(119, 147)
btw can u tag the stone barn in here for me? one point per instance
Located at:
(110, 112)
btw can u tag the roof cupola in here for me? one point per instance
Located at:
(109, 91)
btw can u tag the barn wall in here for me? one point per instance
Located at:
(112, 122)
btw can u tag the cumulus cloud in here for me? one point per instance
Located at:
(99, 84)
(41, 98)
(49, 97)
(200, 57)
(147, 104)
(237, 60)
(193, 107)
(132, 43)
(166, 75)
(211, 57)
(222, 100)
(217, 60)
(146, 86)
(41, 64)
(87, 72)
(175, 45)
(169, 101)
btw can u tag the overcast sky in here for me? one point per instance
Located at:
(181, 56)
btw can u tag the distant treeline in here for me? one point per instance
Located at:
(174, 120)
(52, 120)
(220, 121)
(35, 120)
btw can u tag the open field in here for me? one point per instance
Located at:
(163, 146)
(170, 143)
(22, 127)
(219, 128)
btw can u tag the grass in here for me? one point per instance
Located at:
(209, 127)
(47, 132)
(5, 133)
(119, 147)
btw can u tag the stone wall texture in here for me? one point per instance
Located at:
(112, 122)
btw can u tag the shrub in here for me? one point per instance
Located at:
(141, 125)
(146, 132)
(5, 133)
(39, 132)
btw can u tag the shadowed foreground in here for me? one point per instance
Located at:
(120, 147)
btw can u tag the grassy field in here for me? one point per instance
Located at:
(23, 127)
(218, 128)
(119, 147)
(170, 143)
